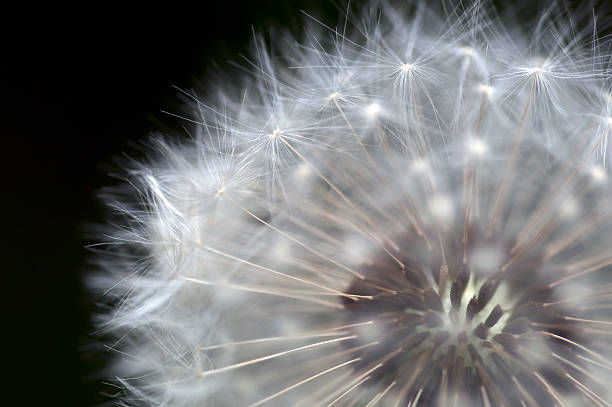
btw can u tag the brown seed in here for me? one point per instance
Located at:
(481, 331)
(494, 316)
(507, 341)
(472, 309)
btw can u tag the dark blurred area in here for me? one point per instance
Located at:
(81, 85)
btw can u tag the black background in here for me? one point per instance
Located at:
(82, 85)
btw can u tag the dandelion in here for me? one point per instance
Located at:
(410, 209)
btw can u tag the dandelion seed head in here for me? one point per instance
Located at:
(420, 165)
(598, 174)
(477, 147)
(441, 207)
(373, 110)
(407, 68)
(569, 208)
(485, 90)
(303, 171)
(467, 51)
(344, 227)
(276, 133)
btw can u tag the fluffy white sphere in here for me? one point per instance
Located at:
(411, 209)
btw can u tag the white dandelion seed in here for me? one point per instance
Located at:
(412, 209)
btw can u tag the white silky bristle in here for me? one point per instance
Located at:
(408, 208)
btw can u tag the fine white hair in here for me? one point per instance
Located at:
(355, 171)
